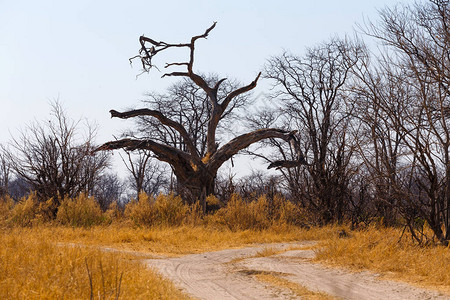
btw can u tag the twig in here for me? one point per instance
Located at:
(103, 280)
(91, 296)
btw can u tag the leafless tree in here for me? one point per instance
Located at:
(381, 97)
(313, 91)
(145, 175)
(196, 171)
(189, 105)
(418, 39)
(55, 157)
(108, 188)
(5, 173)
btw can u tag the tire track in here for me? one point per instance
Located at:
(227, 274)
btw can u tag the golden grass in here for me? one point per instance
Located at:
(48, 261)
(61, 271)
(164, 225)
(172, 240)
(32, 266)
(296, 289)
(379, 250)
(268, 251)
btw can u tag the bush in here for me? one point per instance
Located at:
(141, 211)
(80, 211)
(286, 212)
(162, 210)
(6, 205)
(239, 214)
(165, 210)
(114, 212)
(25, 212)
(194, 215)
(242, 214)
(170, 210)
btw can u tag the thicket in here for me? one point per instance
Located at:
(161, 210)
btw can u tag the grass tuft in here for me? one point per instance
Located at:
(297, 289)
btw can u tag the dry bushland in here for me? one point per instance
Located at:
(164, 225)
(381, 250)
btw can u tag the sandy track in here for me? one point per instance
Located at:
(226, 274)
(208, 276)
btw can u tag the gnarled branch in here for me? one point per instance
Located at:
(147, 53)
(293, 141)
(163, 119)
(165, 153)
(243, 141)
(238, 92)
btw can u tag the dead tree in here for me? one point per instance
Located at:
(145, 175)
(195, 172)
(5, 173)
(313, 90)
(419, 36)
(54, 159)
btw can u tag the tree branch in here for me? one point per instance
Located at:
(239, 91)
(193, 39)
(165, 153)
(163, 119)
(242, 142)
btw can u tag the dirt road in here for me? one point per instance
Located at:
(228, 274)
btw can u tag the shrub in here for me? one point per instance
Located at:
(80, 211)
(286, 212)
(194, 215)
(24, 213)
(6, 205)
(165, 210)
(141, 211)
(170, 210)
(261, 213)
(114, 212)
(240, 215)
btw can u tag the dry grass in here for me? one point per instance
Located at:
(241, 214)
(172, 240)
(49, 261)
(379, 250)
(81, 211)
(164, 225)
(164, 210)
(34, 267)
(297, 289)
(268, 251)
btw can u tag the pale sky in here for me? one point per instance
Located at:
(77, 51)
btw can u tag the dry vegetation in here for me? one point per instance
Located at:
(61, 258)
(381, 250)
(276, 280)
(33, 266)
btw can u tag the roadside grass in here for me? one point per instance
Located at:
(32, 266)
(170, 241)
(55, 261)
(268, 251)
(163, 225)
(297, 289)
(381, 251)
